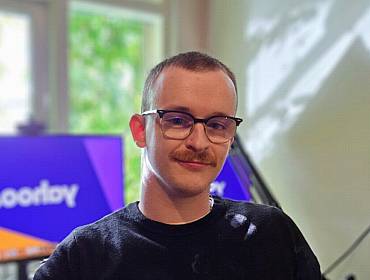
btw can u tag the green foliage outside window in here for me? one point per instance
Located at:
(106, 77)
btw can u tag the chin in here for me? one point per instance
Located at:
(190, 188)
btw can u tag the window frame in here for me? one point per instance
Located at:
(39, 86)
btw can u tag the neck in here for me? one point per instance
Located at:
(170, 208)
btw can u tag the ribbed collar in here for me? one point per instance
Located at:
(134, 214)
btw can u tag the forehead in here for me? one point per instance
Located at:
(200, 93)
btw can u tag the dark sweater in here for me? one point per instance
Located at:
(237, 240)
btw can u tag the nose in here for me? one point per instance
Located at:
(197, 140)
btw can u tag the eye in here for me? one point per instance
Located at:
(220, 124)
(177, 120)
(216, 125)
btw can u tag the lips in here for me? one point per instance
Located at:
(193, 165)
(194, 162)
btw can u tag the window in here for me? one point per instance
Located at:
(14, 70)
(106, 75)
(22, 69)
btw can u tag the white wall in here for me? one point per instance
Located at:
(186, 25)
(304, 78)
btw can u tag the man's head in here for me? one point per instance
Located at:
(192, 61)
(185, 163)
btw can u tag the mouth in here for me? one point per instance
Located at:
(193, 165)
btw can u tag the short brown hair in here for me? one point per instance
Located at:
(193, 61)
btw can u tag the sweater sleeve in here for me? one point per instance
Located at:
(307, 266)
(63, 264)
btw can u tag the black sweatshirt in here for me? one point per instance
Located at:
(237, 240)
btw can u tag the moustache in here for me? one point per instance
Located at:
(203, 157)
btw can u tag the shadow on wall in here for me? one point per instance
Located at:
(308, 112)
(292, 54)
(339, 142)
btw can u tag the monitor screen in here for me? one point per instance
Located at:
(51, 184)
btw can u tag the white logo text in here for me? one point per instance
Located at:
(41, 195)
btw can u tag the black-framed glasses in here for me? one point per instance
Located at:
(179, 125)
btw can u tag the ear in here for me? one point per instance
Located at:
(137, 127)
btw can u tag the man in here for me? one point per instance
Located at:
(177, 230)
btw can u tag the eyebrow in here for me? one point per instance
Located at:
(187, 110)
(179, 108)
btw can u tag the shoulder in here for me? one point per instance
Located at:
(268, 221)
(274, 231)
(108, 227)
(101, 239)
(258, 213)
